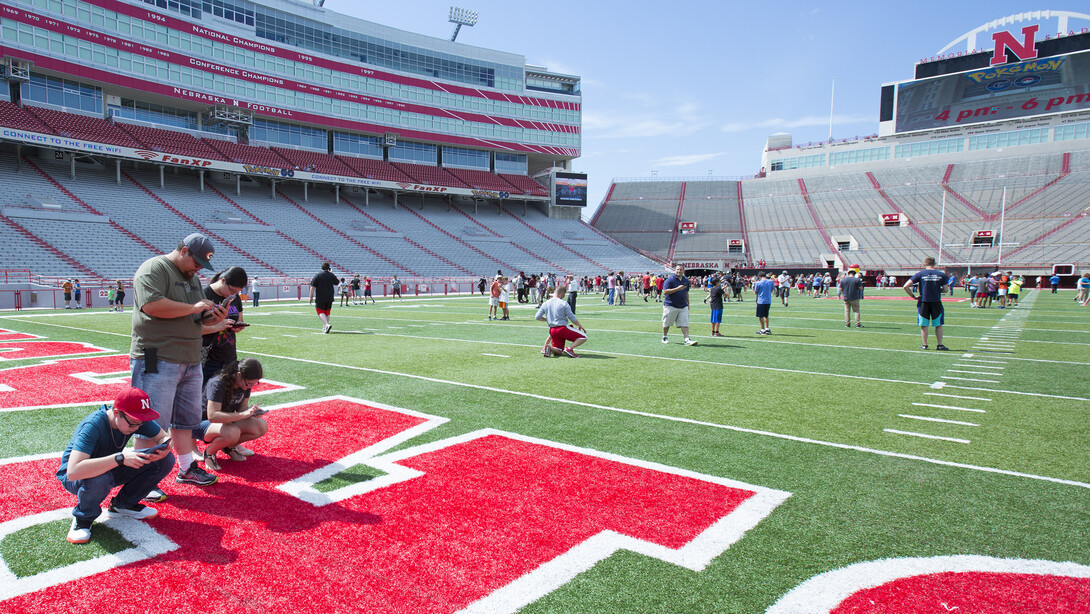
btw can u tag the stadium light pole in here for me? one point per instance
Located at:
(461, 17)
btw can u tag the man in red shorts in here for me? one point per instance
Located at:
(557, 313)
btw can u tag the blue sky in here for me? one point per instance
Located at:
(695, 88)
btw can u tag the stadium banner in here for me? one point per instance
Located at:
(892, 219)
(687, 228)
(692, 265)
(157, 157)
(1050, 85)
(569, 189)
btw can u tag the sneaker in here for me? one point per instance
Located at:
(760, 332)
(848, 324)
(923, 347)
(570, 354)
(690, 342)
(665, 340)
(196, 475)
(327, 328)
(155, 496)
(860, 326)
(234, 454)
(243, 450)
(80, 532)
(942, 348)
(138, 511)
(210, 463)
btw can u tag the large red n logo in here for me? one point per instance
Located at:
(1026, 50)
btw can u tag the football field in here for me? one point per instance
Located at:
(422, 458)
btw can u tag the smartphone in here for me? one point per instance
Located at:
(240, 325)
(261, 411)
(227, 301)
(156, 449)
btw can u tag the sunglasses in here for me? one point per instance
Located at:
(130, 422)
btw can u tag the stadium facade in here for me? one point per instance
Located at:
(292, 75)
(272, 127)
(983, 158)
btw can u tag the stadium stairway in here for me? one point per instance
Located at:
(84, 271)
(79, 201)
(558, 243)
(345, 236)
(911, 223)
(267, 269)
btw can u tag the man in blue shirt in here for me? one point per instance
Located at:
(763, 289)
(675, 304)
(1054, 281)
(929, 302)
(97, 459)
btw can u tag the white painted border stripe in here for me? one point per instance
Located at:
(958, 364)
(926, 436)
(971, 379)
(823, 592)
(937, 420)
(147, 543)
(972, 372)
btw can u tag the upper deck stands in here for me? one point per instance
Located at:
(432, 175)
(249, 154)
(374, 169)
(171, 141)
(83, 127)
(14, 116)
(315, 162)
(525, 184)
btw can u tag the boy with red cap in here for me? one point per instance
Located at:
(97, 459)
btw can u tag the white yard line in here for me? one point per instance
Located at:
(926, 436)
(938, 420)
(979, 411)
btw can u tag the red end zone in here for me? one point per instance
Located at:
(486, 520)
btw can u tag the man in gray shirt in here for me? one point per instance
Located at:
(851, 290)
(556, 312)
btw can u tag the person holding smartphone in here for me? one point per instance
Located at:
(218, 343)
(231, 419)
(97, 459)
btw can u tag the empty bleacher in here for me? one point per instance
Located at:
(82, 127)
(171, 141)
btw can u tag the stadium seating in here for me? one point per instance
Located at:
(315, 162)
(525, 184)
(432, 175)
(14, 116)
(374, 169)
(82, 127)
(481, 180)
(249, 154)
(170, 141)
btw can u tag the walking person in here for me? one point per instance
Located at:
(77, 292)
(763, 290)
(322, 292)
(929, 302)
(675, 304)
(715, 302)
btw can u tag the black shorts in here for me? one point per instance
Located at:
(763, 309)
(323, 305)
(929, 311)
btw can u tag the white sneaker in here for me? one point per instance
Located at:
(138, 511)
(690, 342)
(78, 534)
(327, 328)
(665, 340)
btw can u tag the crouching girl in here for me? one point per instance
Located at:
(231, 421)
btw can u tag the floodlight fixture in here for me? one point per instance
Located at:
(461, 17)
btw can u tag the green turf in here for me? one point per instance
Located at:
(43, 547)
(804, 410)
(356, 474)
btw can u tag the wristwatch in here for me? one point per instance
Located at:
(119, 458)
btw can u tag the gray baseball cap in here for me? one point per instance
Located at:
(201, 249)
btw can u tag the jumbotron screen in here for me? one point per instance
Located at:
(570, 189)
(1008, 91)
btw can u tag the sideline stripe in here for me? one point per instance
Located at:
(973, 372)
(972, 379)
(726, 427)
(958, 364)
(926, 436)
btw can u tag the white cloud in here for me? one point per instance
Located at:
(686, 160)
(799, 122)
